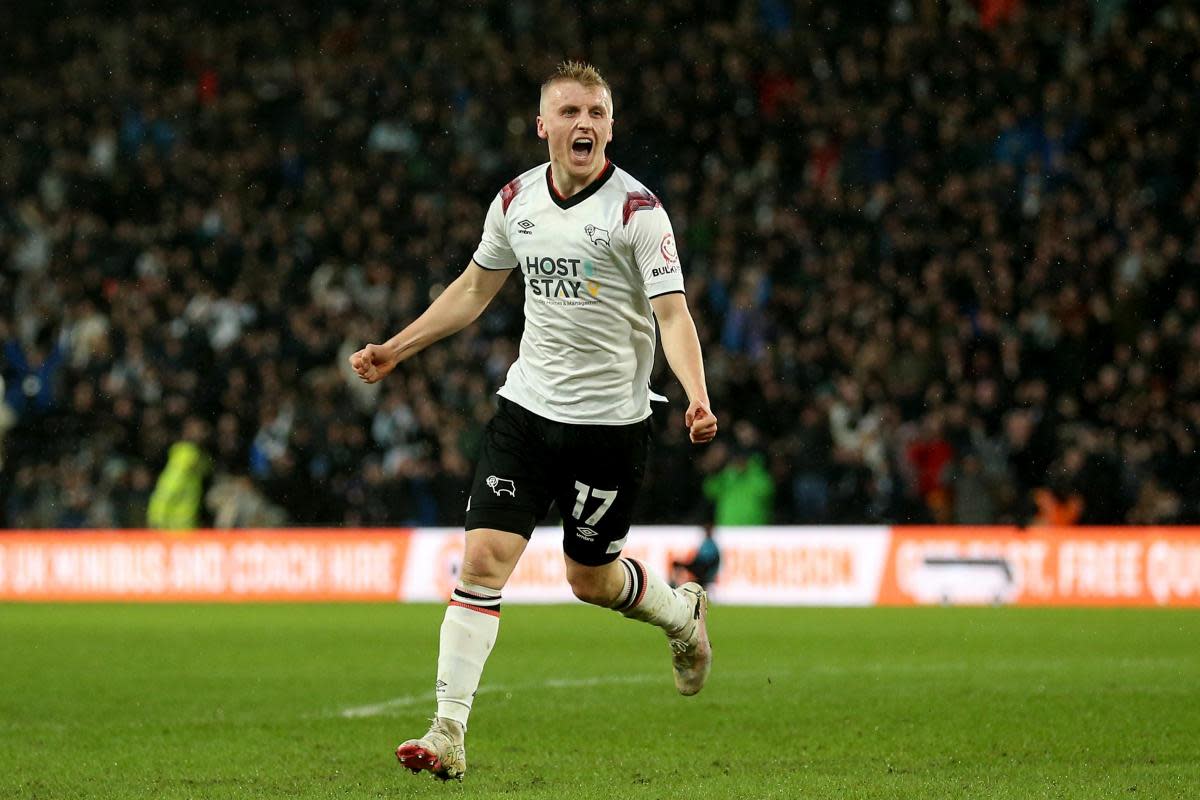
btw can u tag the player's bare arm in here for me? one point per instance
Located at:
(457, 307)
(682, 348)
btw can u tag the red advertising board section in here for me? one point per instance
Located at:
(822, 566)
(1048, 567)
(309, 565)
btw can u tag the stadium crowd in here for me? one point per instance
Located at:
(944, 258)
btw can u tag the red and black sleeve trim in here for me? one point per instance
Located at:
(636, 201)
(509, 192)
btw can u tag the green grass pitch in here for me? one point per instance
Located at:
(113, 701)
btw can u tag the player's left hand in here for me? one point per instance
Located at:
(701, 422)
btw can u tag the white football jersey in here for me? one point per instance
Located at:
(591, 264)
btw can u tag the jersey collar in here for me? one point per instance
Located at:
(584, 193)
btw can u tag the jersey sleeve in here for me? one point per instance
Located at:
(653, 242)
(494, 251)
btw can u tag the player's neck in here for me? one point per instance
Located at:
(566, 185)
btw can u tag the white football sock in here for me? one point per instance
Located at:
(648, 598)
(468, 633)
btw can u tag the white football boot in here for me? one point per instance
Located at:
(441, 750)
(692, 654)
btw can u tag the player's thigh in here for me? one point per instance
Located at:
(511, 490)
(601, 476)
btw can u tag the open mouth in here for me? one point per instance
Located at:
(581, 148)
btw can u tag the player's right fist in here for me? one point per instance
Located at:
(373, 362)
(701, 422)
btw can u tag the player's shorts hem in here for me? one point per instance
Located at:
(592, 558)
(511, 520)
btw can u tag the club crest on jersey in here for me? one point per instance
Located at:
(501, 486)
(597, 236)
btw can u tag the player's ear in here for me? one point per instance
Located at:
(541, 128)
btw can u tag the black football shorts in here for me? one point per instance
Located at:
(593, 473)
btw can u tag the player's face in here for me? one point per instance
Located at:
(576, 122)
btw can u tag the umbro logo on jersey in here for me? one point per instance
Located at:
(597, 235)
(526, 226)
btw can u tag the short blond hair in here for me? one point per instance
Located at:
(580, 72)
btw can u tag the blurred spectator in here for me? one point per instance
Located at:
(176, 503)
(703, 566)
(33, 376)
(930, 457)
(1057, 507)
(8, 419)
(741, 489)
(810, 469)
(233, 502)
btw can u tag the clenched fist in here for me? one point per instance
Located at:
(373, 362)
(701, 422)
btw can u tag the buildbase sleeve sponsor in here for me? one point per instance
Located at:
(1067, 566)
(310, 565)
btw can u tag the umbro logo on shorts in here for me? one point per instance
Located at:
(587, 534)
(501, 486)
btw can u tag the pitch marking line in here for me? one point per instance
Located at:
(405, 701)
(379, 709)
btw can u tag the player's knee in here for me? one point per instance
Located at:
(489, 561)
(482, 568)
(590, 592)
(592, 586)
